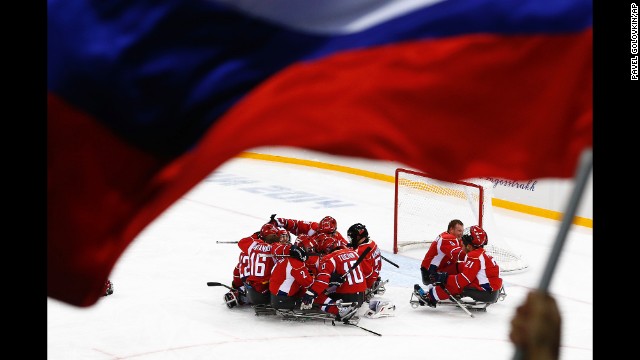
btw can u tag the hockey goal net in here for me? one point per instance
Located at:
(424, 206)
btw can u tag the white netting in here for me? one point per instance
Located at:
(424, 207)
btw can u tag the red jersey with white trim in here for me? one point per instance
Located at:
(260, 261)
(310, 245)
(337, 264)
(289, 277)
(310, 228)
(298, 227)
(374, 258)
(241, 271)
(313, 263)
(479, 271)
(443, 254)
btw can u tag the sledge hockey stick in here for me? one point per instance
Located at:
(355, 265)
(389, 261)
(456, 300)
(343, 276)
(235, 242)
(214, 283)
(358, 326)
(581, 178)
(308, 254)
(334, 304)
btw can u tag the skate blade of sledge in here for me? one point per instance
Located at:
(469, 304)
(472, 306)
(264, 310)
(304, 315)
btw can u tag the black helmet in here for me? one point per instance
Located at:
(356, 232)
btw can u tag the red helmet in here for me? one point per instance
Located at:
(268, 229)
(326, 243)
(307, 242)
(475, 236)
(327, 225)
(284, 236)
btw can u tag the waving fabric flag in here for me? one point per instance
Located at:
(146, 98)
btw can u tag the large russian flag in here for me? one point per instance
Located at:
(146, 98)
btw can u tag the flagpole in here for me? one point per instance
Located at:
(581, 178)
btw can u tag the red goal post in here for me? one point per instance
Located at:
(424, 206)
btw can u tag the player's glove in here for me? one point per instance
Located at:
(439, 278)
(297, 252)
(428, 273)
(307, 299)
(334, 282)
(336, 279)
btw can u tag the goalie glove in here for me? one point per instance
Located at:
(307, 299)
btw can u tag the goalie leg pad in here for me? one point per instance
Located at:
(380, 308)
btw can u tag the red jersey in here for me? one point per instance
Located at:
(241, 271)
(310, 228)
(337, 264)
(310, 245)
(443, 254)
(373, 258)
(260, 261)
(298, 227)
(313, 263)
(479, 271)
(289, 277)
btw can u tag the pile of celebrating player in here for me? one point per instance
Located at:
(321, 268)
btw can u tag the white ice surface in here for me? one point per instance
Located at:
(163, 309)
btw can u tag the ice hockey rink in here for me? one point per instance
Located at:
(162, 308)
